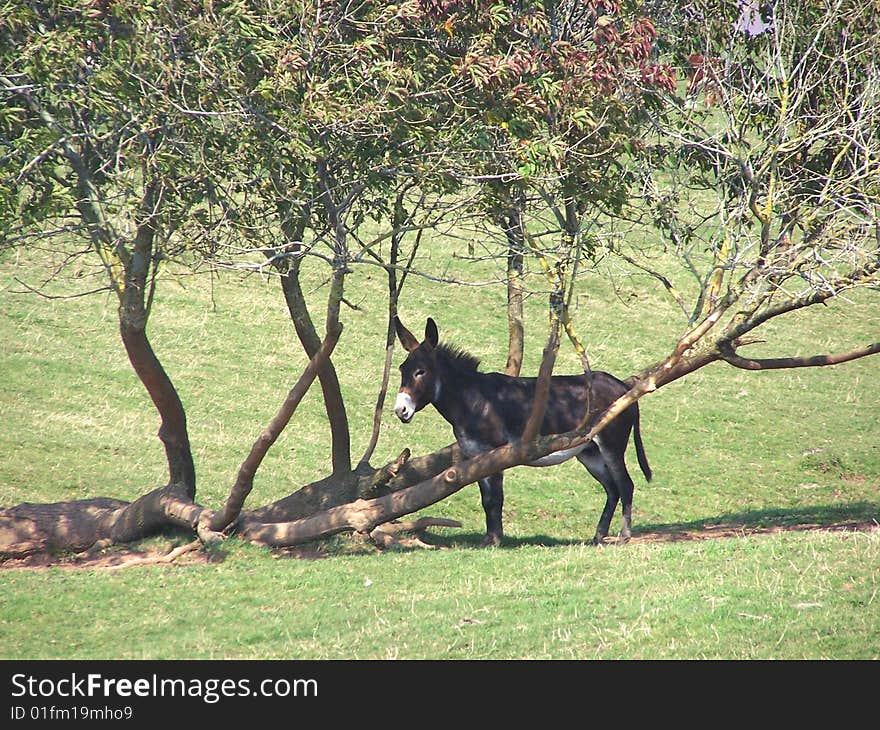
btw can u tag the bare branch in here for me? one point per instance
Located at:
(43, 294)
(729, 355)
(673, 292)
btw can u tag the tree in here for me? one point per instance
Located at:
(161, 133)
(553, 92)
(94, 153)
(262, 137)
(780, 174)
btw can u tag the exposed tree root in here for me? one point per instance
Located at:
(169, 557)
(391, 534)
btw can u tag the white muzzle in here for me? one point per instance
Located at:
(404, 407)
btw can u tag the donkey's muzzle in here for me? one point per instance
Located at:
(404, 407)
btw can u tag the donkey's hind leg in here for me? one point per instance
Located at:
(492, 497)
(595, 464)
(614, 461)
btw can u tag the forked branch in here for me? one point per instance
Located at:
(729, 355)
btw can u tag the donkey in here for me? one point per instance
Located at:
(487, 410)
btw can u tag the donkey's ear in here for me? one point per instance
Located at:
(432, 337)
(407, 338)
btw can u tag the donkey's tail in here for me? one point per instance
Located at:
(640, 449)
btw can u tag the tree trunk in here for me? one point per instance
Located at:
(398, 222)
(132, 327)
(329, 381)
(80, 524)
(173, 430)
(513, 223)
(293, 225)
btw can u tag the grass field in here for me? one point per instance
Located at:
(737, 551)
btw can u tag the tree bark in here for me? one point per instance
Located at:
(173, 429)
(132, 327)
(513, 224)
(542, 386)
(80, 524)
(729, 355)
(335, 490)
(293, 225)
(329, 381)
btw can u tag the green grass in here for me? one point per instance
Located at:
(740, 449)
(790, 596)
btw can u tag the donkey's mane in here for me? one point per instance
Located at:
(458, 357)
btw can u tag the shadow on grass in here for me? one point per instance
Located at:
(475, 539)
(855, 516)
(850, 517)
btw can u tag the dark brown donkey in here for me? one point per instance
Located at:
(487, 410)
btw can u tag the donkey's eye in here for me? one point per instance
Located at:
(419, 373)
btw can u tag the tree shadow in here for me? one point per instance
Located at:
(475, 539)
(858, 516)
(854, 516)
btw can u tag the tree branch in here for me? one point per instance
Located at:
(542, 386)
(729, 355)
(248, 469)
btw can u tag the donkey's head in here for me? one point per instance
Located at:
(418, 373)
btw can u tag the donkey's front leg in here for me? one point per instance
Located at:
(492, 495)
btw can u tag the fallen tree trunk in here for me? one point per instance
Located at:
(78, 525)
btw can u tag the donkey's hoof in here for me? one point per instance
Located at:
(599, 541)
(491, 541)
